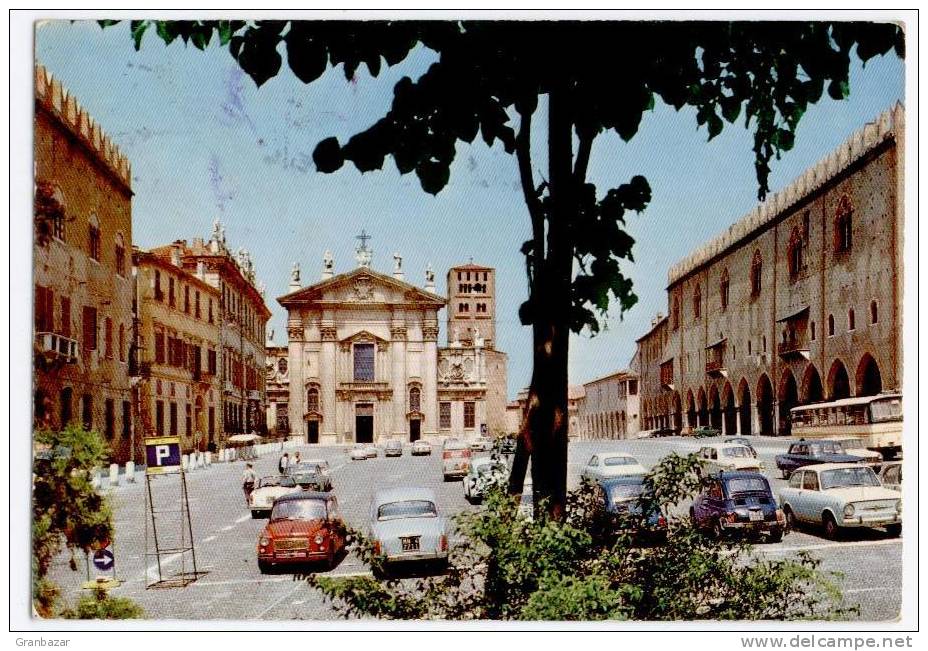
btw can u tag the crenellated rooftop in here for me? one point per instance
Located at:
(858, 145)
(56, 98)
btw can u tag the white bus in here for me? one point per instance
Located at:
(875, 420)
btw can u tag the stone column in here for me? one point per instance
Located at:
(398, 379)
(295, 361)
(430, 375)
(755, 418)
(327, 380)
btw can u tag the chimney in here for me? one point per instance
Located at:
(175, 256)
(198, 243)
(201, 270)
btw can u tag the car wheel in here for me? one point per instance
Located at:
(784, 473)
(775, 536)
(791, 523)
(894, 530)
(264, 567)
(832, 530)
(447, 477)
(717, 531)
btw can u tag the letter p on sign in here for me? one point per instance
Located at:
(162, 455)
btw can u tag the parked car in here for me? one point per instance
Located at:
(393, 448)
(405, 525)
(618, 497)
(891, 475)
(484, 472)
(841, 495)
(267, 490)
(807, 453)
(738, 502)
(358, 453)
(482, 444)
(421, 447)
(855, 447)
(742, 440)
(728, 456)
(705, 432)
(603, 465)
(372, 450)
(321, 463)
(455, 459)
(662, 432)
(506, 445)
(304, 526)
(310, 476)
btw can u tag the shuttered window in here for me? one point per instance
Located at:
(90, 328)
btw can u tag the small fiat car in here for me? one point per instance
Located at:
(393, 448)
(841, 495)
(267, 490)
(455, 459)
(618, 498)
(604, 465)
(304, 527)
(405, 525)
(421, 448)
(808, 453)
(728, 456)
(738, 503)
(311, 477)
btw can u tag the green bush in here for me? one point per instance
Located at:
(510, 567)
(99, 605)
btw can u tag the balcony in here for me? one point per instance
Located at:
(716, 368)
(793, 348)
(57, 347)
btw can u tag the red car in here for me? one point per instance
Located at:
(304, 527)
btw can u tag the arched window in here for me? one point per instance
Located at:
(795, 254)
(844, 226)
(312, 399)
(723, 289)
(850, 319)
(93, 240)
(831, 325)
(873, 312)
(415, 399)
(120, 251)
(697, 302)
(757, 265)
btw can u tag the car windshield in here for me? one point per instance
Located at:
(407, 509)
(283, 482)
(621, 492)
(738, 452)
(298, 510)
(827, 448)
(887, 409)
(747, 485)
(305, 467)
(305, 477)
(841, 477)
(619, 461)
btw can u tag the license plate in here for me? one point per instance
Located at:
(757, 516)
(410, 543)
(291, 555)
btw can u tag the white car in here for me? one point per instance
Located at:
(407, 526)
(484, 472)
(604, 465)
(855, 446)
(359, 453)
(322, 463)
(267, 490)
(421, 447)
(729, 456)
(840, 495)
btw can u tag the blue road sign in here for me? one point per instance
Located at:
(103, 559)
(162, 454)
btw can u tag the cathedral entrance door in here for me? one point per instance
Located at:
(414, 426)
(364, 423)
(312, 431)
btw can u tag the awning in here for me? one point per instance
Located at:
(794, 314)
(717, 343)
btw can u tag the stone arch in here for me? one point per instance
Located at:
(729, 413)
(702, 408)
(787, 397)
(690, 409)
(715, 408)
(869, 381)
(744, 407)
(839, 385)
(811, 388)
(765, 406)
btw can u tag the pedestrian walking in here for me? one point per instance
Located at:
(296, 457)
(284, 464)
(248, 483)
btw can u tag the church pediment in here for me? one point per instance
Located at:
(363, 286)
(363, 337)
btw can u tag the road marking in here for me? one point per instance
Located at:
(228, 528)
(895, 588)
(242, 519)
(807, 548)
(299, 584)
(206, 540)
(298, 602)
(347, 574)
(152, 570)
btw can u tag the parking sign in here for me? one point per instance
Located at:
(162, 455)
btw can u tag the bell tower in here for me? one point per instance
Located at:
(471, 306)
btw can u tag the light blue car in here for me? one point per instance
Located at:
(838, 496)
(407, 526)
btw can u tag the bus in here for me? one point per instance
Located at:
(875, 420)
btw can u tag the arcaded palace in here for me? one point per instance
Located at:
(364, 363)
(798, 302)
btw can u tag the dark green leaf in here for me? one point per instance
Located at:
(328, 156)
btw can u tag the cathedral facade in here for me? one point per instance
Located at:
(364, 362)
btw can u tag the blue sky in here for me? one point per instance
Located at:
(204, 142)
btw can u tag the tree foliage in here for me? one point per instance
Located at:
(509, 567)
(99, 605)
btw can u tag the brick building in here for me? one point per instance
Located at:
(82, 271)
(177, 352)
(800, 301)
